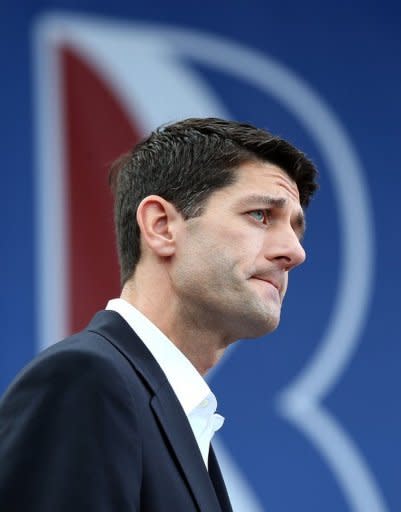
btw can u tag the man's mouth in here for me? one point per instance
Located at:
(272, 281)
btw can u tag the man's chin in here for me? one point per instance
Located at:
(261, 326)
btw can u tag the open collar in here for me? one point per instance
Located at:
(165, 406)
(189, 386)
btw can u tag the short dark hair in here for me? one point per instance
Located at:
(185, 162)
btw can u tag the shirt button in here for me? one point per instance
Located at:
(204, 403)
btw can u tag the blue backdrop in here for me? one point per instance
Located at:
(312, 418)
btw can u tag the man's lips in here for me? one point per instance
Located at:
(271, 281)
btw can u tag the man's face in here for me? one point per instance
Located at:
(230, 271)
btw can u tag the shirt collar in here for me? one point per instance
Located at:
(188, 384)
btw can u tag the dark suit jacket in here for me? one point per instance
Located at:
(92, 424)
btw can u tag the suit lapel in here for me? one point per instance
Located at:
(165, 406)
(218, 482)
(178, 431)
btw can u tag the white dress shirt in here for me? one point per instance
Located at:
(192, 391)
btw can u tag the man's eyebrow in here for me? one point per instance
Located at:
(262, 200)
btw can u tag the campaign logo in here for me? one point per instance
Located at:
(102, 85)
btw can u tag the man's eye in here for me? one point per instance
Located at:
(259, 215)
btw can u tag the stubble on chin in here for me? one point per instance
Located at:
(260, 315)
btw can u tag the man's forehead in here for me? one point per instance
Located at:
(266, 176)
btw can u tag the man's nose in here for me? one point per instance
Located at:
(286, 250)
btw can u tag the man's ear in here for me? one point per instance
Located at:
(157, 220)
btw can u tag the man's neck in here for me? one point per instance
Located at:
(199, 343)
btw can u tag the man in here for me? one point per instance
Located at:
(209, 219)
